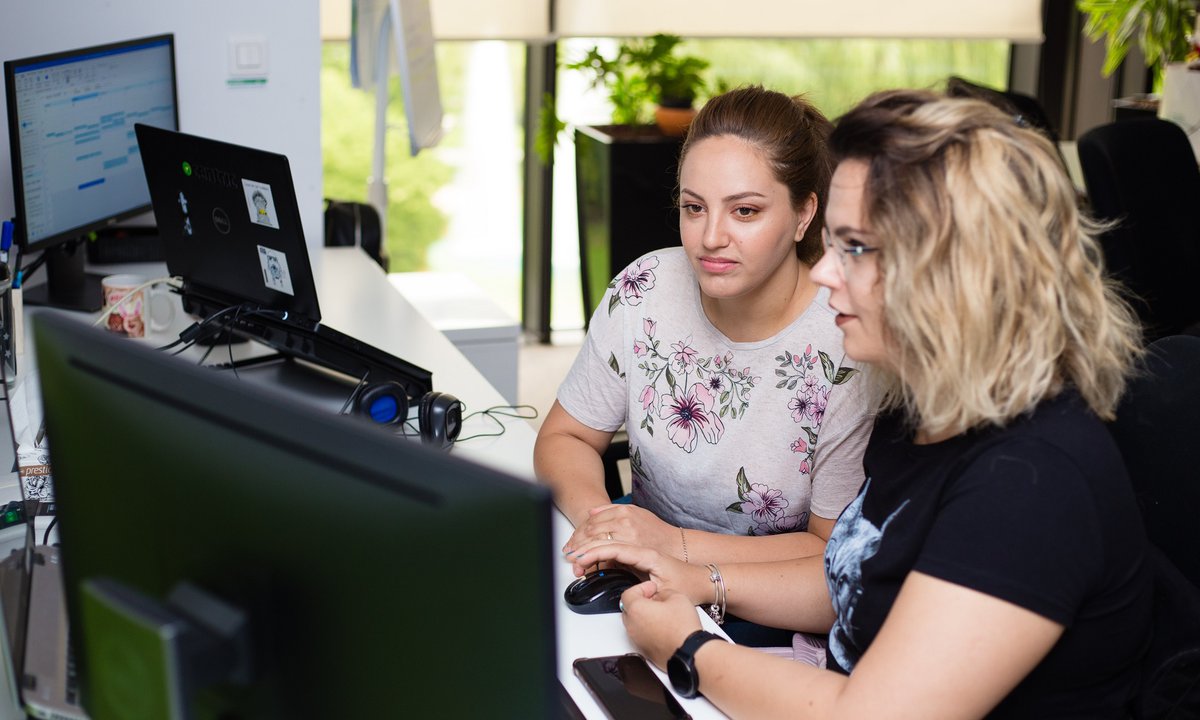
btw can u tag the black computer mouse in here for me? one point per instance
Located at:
(599, 591)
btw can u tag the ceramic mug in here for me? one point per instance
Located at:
(135, 313)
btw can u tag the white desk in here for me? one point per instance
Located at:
(357, 299)
(458, 308)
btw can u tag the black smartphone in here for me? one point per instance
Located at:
(628, 689)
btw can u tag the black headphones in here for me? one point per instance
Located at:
(440, 414)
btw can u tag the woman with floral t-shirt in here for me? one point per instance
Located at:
(721, 358)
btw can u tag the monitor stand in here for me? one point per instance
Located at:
(67, 286)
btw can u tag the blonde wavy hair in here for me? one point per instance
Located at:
(993, 282)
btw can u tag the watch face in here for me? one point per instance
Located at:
(682, 677)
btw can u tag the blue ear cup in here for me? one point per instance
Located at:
(441, 419)
(440, 414)
(385, 403)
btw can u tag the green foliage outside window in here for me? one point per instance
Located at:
(347, 141)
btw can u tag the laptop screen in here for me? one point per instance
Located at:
(229, 222)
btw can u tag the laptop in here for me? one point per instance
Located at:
(38, 671)
(49, 684)
(14, 589)
(230, 227)
(229, 223)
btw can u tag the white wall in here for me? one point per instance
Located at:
(282, 116)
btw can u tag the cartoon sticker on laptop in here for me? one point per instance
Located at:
(260, 204)
(275, 270)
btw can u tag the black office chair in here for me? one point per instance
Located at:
(1155, 430)
(617, 451)
(354, 223)
(1143, 175)
(1023, 108)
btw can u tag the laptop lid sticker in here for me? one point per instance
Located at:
(275, 270)
(261, 204)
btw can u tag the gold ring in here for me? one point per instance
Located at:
(610, 537)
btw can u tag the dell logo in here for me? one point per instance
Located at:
(220, 221)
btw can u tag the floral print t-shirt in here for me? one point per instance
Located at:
(743, 438)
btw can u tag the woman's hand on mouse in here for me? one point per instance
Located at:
(657, 620)
(628, 524)
(664, 571)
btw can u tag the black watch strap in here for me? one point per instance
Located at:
(681, 668)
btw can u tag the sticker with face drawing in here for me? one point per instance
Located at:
(260, 203)
(275, 270)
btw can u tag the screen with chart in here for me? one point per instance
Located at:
(76, 165)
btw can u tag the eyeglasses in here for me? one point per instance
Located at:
(848, 251)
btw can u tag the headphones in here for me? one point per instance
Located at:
(439, 414)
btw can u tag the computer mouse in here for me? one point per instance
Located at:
(599, 591)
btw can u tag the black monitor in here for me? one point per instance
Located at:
(331, 568)
(75, 161)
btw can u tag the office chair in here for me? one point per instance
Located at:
(354, 223)
(1156, 428)
(1155, 431)
(1142, 174)
(1023, 108)
(617, 450)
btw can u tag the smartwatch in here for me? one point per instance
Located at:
(681, 668)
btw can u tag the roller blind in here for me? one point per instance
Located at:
(491, 19)
(1015, 20)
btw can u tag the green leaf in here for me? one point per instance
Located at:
(826, 365)
(612, 363)
(650, 430)
(781, 383)
(613, 301)
(743, 483)
(724, 397)
(735, 508)
(844, 374)
(671, 379)
(812, 436)
(549, 127)
(781, 373)
(792, 384)
(724, 411)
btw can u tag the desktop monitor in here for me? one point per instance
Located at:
(75, 161)
(366, 574)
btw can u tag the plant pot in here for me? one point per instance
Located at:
(625, 185)
(674, 121)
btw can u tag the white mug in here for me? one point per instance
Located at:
(135, 313)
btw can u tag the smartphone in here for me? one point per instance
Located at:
(628, 689)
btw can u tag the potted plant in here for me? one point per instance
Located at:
(1162, 29)
(625, 171)
(645, 72)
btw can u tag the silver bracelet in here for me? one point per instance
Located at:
(717, 609)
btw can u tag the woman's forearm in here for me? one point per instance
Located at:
(574, 473)
(707, 547)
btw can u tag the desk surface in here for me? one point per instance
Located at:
(357, 299)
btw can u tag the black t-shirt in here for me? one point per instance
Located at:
(1040, 514)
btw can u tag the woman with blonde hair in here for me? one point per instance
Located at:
(994, 563)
